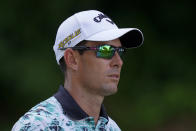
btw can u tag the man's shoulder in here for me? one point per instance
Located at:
(47, 108)
(40, 116)
(112, 125)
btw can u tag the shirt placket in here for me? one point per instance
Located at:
(87, 124)
(101, 124)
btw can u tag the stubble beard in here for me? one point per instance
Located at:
(107, 90)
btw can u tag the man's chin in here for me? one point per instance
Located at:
(110, 91)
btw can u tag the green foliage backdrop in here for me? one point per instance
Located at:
(157, 90)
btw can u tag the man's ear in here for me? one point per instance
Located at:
(71, 59)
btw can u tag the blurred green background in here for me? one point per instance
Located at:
(157, 91)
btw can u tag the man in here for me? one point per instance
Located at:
(88, 48)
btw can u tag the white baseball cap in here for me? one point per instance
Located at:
(93, 25)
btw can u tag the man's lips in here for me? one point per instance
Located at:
(114, 76)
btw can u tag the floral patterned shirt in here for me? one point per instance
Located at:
(61, 113)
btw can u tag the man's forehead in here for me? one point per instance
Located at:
(115, 43)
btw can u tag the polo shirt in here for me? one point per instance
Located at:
(61, 113)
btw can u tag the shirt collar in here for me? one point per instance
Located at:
(71, 108)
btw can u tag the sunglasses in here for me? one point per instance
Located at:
(102, 51)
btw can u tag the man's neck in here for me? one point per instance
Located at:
(89, 103)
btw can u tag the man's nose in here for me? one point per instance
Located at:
(116, 60)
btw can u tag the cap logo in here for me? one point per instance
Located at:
(102, 16)
(68, 39)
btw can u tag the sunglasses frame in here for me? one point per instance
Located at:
(120, 50)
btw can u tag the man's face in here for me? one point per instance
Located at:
(98, 75)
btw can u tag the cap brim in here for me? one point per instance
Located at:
(129, 37)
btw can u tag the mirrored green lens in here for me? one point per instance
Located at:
(105, 51)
